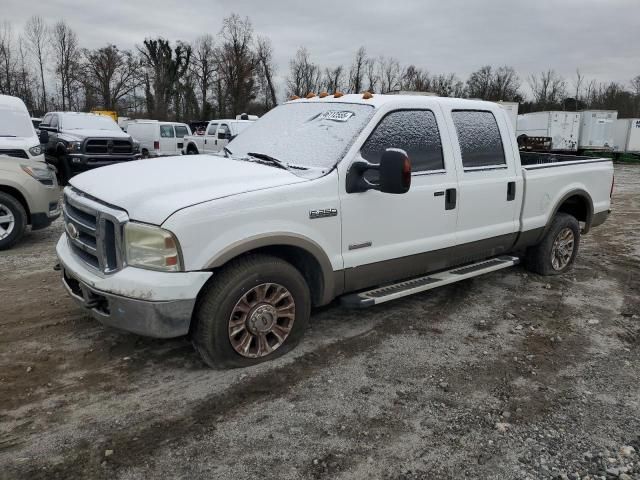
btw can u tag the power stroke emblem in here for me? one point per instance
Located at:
(322, 213)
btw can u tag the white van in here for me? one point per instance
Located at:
(17, 136)
(158, 139)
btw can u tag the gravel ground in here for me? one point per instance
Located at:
(507, 376)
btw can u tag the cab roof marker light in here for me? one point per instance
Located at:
(367, 95)
(338, 94)
(323, 95)
(310, 95)
(294, 97)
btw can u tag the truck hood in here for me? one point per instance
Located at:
(22, 143)
(151, 190)
(82, 134)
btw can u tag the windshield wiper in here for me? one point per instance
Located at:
(269, 158)
(12, 136)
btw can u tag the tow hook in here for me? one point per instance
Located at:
(57, 267)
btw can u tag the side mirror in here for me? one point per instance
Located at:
(44, 136)
(394, 174)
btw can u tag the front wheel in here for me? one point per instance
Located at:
(557, 251)
(13, 221)
(255, 309)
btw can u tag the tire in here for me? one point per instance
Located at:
(191, 150)
(13, 221)
(64, 169)
(145, 153)
(239, 288)
(540, 259)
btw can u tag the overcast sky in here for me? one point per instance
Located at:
(600, 37)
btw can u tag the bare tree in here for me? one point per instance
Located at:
(333, 81)
(7, 59)
(389, 74)
(66, 52)
(237, 64)
(110, 73)
(577, 83)
(549, 89)
(373, 78)
(164, 67)
(36, 33)
(304, 76)
(416, 80)
(204, 70)
(635, 87)
(357, 71)
(264, 53)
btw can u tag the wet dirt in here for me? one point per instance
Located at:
(510, 375)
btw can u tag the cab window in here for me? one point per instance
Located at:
(212, 129)
(414, 131)
(479, 139)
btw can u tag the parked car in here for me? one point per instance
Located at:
(17, 136)
(217, 135)
(158, 139)
(369, 198)
(29, 195)
(76, 142)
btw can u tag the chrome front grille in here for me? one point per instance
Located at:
(108, 146)
(94, 231)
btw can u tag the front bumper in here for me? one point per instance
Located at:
(152, 304)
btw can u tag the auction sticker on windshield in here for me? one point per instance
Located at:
(336, 115)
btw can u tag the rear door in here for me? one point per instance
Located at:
(167, 139)
(387, 237)
(210, 138)
(488, 185)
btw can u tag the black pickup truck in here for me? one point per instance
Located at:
(76, 142)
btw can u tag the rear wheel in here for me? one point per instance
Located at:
(557, 251)
(191, 150)
(255, 309)
(13, 220)
(145, 153)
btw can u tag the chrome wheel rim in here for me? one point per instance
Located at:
(562, 249)
(261, 320)
(7, 221)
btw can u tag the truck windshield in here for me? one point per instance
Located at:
(15, 123)
(88, 122)
(305, 134)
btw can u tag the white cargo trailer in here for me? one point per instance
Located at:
(562, 128)
(596, 129)
(512, 112)
(626, 137)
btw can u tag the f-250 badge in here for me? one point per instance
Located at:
(322, 213)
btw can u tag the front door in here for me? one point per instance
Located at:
(210, 139)
(224, 134)
(389, 237)
(167, 139)
(489, 188)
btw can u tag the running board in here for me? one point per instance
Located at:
(421, 284)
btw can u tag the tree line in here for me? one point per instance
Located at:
(233, 72)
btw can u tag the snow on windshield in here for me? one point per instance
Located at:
(306, 134)
(15, 123)
(88, 122)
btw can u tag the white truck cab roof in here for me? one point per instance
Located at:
(17, 135)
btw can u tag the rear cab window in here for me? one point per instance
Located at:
(480, 140)
(414, 131)
(212, 129)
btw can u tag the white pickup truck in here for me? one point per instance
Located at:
(364, 198)
(216, 137)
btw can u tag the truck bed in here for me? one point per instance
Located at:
(532, 160)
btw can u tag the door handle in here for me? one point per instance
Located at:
(439, 194)
(216, 141)
(511, 191)
(205, 141)
(450, 199)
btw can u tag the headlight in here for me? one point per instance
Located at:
(35, 151)
(43, 174)
(136, 147)
(74, 146)
(151, 247)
